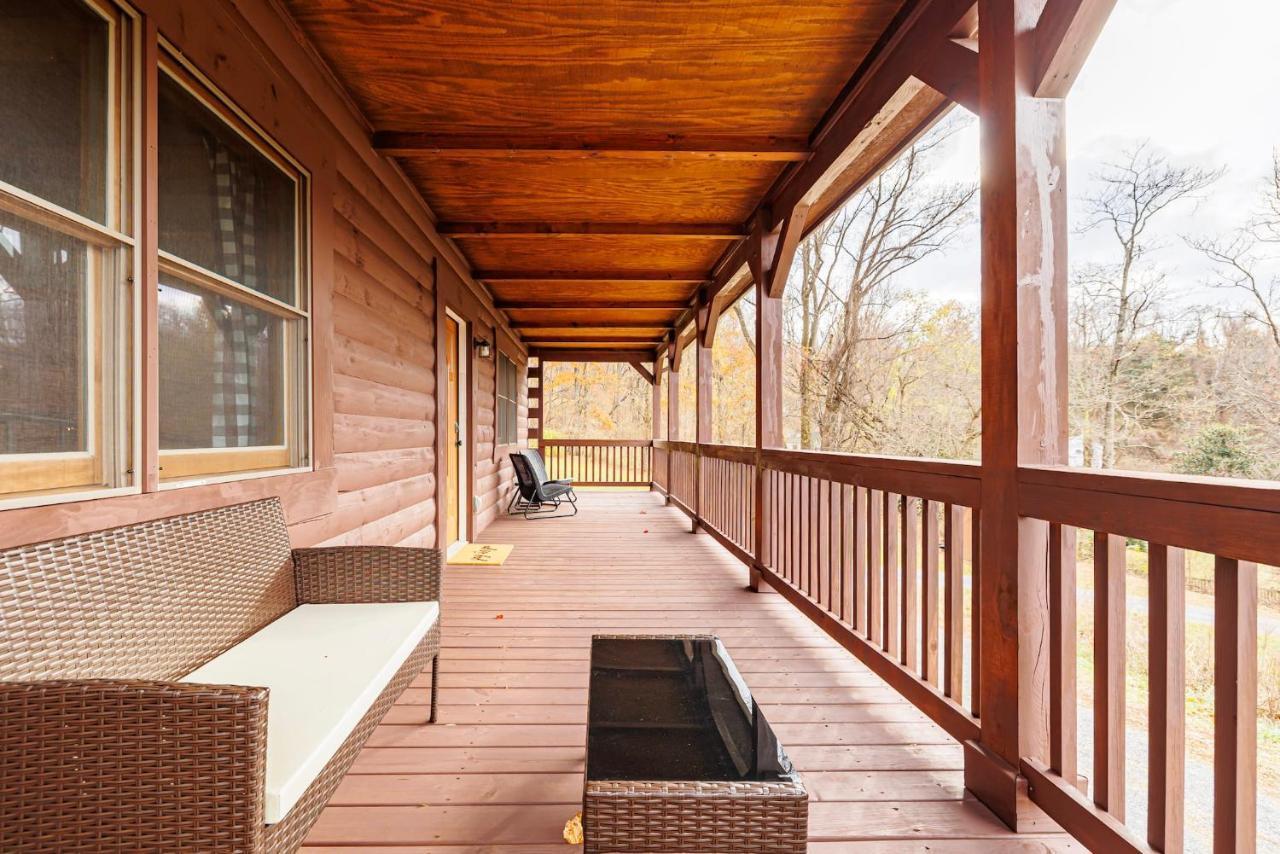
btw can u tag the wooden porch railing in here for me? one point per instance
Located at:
(600, 462)
(1239, 524)
(871, 549)
(882, 554)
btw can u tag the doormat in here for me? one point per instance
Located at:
(480, 554)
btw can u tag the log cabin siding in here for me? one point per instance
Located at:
(493, 471)
(375, 260)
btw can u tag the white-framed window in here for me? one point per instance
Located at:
(234, 318)
(507, 400)
(67, 250)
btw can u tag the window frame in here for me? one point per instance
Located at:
(181, 467)
(506, 406)
(112, 301)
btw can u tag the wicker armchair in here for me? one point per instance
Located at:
(100, 746)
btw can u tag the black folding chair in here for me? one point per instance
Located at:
(536, 497)
(540, 470)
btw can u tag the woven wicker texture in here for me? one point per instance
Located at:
(130, 766)
(367, 574)
(673, 816)
(93, 760)
(690, 816)
(735, 817)
(290, 833)
(148, 601)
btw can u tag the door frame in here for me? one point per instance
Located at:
(463, 484)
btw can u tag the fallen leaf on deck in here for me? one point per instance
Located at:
(573, 830)
(499, 617)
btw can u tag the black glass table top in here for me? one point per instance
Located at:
(675, 709)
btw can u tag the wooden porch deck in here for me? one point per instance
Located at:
(502, 770)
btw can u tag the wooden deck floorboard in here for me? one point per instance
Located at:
(502, 770)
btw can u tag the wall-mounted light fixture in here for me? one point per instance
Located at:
(483, 348)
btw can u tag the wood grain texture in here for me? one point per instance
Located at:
(606, 253)
(561, 291)
(491, 65)
(503, 769)
(602, 189)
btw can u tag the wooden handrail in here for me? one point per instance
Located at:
(600, 462)
(875, 551)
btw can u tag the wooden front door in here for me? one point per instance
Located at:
(452, 431)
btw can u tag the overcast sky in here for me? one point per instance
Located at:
(1201, 80)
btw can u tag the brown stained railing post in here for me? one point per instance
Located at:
(1166, 775)
(656, 418)
(1023, 212)
(768, 400)
(704, 368)
(1062, 653)
(892, 626)
(910, 570)
(1235, 706)
(1109, 609)
(673, 411)
(929, 593)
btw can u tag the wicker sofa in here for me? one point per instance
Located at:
(102, 743)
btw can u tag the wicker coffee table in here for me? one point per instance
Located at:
(679, 756)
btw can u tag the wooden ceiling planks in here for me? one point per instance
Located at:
(594, 150)
(557, 67)
(599, 189)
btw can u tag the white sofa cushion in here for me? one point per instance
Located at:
(324, 665)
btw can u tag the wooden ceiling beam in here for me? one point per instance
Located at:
(551, 354)
(675, 231)
(953, 70)
(633, 147)
(1065, 34)
(590, 305)
(873, 86)
(657, 325)
(644, 372)
(499, 276)
(784, 250)
(867, 100)
(567, 343)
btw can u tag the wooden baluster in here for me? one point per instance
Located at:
(793, 544)
(835, 581)
(1062, 652)
(953, 601)
(1166, 666)
(816, 540)
(975, 627)
(892, 630)
(907, 587)
(1108, 672)
(824, 542)
(875, 565)
(845, 565)
(1235, 706)
(859, 548)
(929, 594)
(776, 518)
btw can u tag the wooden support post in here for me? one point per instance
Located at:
(673, 405)
(768, 391)
(1024, 311)
(704, 369)
(656, 417)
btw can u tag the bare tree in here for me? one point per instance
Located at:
(1244, 259)
(1132, 192)
(844, 295)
